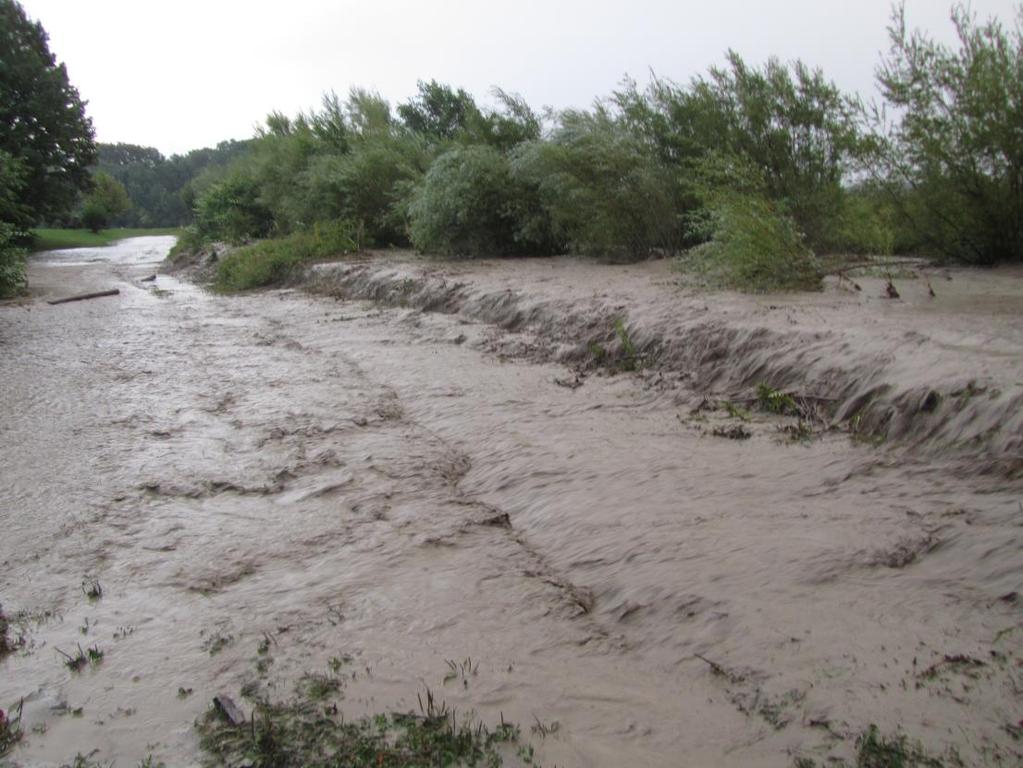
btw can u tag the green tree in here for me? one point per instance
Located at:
(953, 158)
(787, 121)
(107, 199)
(439, 112)
(605, 189)
(43, 125)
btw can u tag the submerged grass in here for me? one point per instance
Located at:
(272, 262)
(304, 733)
(875, 750)
(55, 239)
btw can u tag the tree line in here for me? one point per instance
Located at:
(746, 171)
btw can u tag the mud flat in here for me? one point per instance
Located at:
(403, 464)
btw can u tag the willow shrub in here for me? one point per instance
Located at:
(273, 262)
(470, 204)
(605, 191)
(954, 156)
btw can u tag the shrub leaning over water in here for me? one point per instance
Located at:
(754, 247)
(272, 262)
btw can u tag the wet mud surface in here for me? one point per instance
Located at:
(264, 483)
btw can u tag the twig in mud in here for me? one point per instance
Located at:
(956, 661)
(716, 668)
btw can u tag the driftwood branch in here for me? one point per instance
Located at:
(85, 296)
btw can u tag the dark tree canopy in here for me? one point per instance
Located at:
(42, 120)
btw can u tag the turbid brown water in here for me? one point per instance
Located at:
(334, 478)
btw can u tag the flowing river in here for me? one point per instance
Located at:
(289, 479)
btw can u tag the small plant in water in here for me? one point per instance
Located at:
(775, 401)
(81, 659)
(631, 359)
(10, 730)
(735, 411)
(301, 733)
(217, 642)
(318, 687)
(92, 588)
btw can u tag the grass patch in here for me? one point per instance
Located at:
(304, 733)
(81, 659)
(10, 730)
(56, 239)
(272, 262)
(875, 750)
(775, 401)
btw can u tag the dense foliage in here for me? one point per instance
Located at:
(46, 141)
(162, 189)
(107, 199)
(953, 159)
(746, 171)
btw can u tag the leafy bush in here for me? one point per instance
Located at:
(787, 121)
(272, 262)
(954, 159)
(12, 262)
(107, 199)
(755, 247)
(469, 204)
(372, 183)
(231, 210)
(605, 191)
(752, 244)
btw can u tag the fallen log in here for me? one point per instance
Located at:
(85, 296)
(149, 279)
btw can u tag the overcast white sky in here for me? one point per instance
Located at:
(186, 74)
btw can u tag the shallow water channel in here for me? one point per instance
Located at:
(330, 479)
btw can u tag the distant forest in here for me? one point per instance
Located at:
(163, 189)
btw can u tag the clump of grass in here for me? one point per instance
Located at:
(318, 687)
(461, 670)
(10, 730)
(736, 411)
(630, 359)
(876, 751)
(732, 432)
(775, 401)
(302, 733)
(800, 432)
(86, 761)
(273, 262)
(91, 588)
(82, 658)
(216, 642)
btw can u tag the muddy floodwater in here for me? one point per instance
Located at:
(263, 483)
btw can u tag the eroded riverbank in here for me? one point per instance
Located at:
(325, 479)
